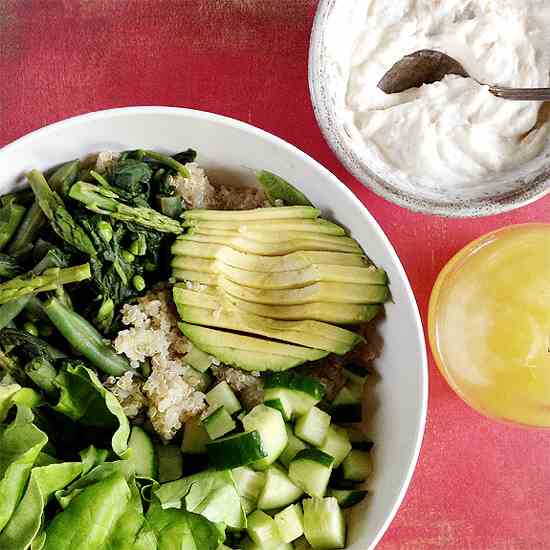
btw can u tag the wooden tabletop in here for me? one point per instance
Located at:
(479, 485)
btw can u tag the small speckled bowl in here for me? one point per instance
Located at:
(333, 34)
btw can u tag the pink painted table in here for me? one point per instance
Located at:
(478, 485)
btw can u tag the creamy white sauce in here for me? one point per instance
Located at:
(454, 132)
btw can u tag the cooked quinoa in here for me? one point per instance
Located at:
(173, 392)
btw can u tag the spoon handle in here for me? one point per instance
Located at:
(521, 94)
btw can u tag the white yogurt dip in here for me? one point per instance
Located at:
(452, 133)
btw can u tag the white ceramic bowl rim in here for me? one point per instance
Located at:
(526, 191)
(66, 124)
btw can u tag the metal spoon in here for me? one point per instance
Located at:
(428, 66)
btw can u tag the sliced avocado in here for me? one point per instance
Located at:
(304, 333)
(277, 236)
(249, 246)
(203, 336)
(276, 188)
(338, 293)
(327, 312)
(266, 264)
(275, 213)
(317, 226)
(285, 279)
(195, 276)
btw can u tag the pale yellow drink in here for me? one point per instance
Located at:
(489, 324)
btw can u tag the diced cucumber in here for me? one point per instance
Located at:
(263, 530)
(170, 461)
(143, 456)
(271, 427)
(282, 404)
(313, 426)
(195, 438)
(293, 447)
(347, 497)
(198, 359)
(358, 439)
(222, 395)
(302, 392)
(357, 466)
(302, 544)
(236, 450)
(356, 376)
(219, 423)
(278, 491)
(345, 397)
(310, 469)
(249, 484)
(336, 444)
(290, 522)
(324, 523)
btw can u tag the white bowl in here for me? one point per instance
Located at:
(228, 149)
(332, 39)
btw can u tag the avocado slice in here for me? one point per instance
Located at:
(266, 264)
(317, 226)
(249, 246)
(339, 293)
(277, 236)
(278, 280)
(204, 337)
(275, 213)
(305, 333)
(319, 311)
(276, 188)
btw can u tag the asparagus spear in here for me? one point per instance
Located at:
(29, 229)
(9, 266)
(51, 278)
(61, 221)
(103, 201)
(11, 215)
(62, 179)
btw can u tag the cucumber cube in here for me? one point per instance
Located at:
(222, 395)
(337, 444)
(197, 359)
(347, 497)
(249, 484)
(278, 490)
(195, 438)
(290, 522)
(170, 461)
(235, 450)
(324, 523)
(357, 466)
(311, 471)
(263, 531)
(313, 426)
(270, 425)
(219, 423)
(282, 404)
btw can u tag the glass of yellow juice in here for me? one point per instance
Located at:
(489, 324)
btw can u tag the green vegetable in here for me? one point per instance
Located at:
(20, 444)
(139, 282)
(171, 162)
(29, 346)
(103, 201)
(61, 221)
(131, 180)
(62, 179)
(49, 280)
(84, 399)
(28, 517)
(171, 206)
(128, 256)
(84, 338)
(11, 215)
(42, 373)
(28, 230)
(30, 327)
(212, 494)
(105, 230)
(276, 188)
(9, 266)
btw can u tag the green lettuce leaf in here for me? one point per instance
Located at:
(211, 493)
(6, 398)
(28, 517)
(84, 399)
(20, 445)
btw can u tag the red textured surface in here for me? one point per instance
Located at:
(479, 485)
